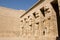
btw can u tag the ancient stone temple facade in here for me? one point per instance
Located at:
(40, 21)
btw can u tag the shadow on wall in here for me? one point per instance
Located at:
(56, 8)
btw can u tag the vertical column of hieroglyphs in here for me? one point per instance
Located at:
(27, 27)
(50, 22)
(36, 24)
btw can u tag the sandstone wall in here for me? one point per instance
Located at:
(10, 23)
(40, 23)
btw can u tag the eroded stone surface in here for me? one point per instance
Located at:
(43, 23)
(40, 23)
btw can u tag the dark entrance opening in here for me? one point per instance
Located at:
(56, 8)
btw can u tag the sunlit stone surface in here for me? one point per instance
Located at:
(38, 23)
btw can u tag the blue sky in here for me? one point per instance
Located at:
(17, 4)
